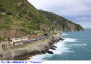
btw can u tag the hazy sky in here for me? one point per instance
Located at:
(78, 11)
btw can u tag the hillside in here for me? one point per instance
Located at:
(19, 16)
(61, 23)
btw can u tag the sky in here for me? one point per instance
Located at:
(78, 11)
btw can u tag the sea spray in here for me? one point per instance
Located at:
(59, 50)
(76, 46)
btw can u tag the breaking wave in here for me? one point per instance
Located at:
(61, 48)
(64, 34)
(78, 44)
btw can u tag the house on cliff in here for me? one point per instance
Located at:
(18, 39)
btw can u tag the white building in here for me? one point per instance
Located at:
(15, 40)
(19, 39)
(24, 38)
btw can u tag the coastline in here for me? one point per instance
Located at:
(28, 50)
(41, 47)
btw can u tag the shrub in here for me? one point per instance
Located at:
(2, 10)
(1, 39)
(9, 13)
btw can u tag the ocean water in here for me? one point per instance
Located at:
(76, 46)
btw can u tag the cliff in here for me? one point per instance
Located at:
(23, 52)
(21, 16)
(61, 23)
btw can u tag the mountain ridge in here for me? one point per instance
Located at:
(65, 25)
(20, 16)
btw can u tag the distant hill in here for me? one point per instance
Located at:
(21, 16)
(61, 23)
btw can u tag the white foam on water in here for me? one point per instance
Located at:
(79, 44)
(61, 48)
(84, 44)
(40, 57)
(64, 34)
(70, 40)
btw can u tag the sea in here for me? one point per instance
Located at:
(76, 46)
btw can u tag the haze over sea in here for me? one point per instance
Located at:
(76, 46)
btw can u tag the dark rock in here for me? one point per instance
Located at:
(50, 52)
(43, 52)
(61, 39)
(52, 48)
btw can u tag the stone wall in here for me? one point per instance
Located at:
(38, 47)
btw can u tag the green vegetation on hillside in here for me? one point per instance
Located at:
(60, 22)
(1, 39)
(22, 16)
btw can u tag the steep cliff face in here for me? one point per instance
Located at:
(21, 16)
(61, 23)
(74, 27)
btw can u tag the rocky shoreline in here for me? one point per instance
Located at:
(44, 50)
(32, 49)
